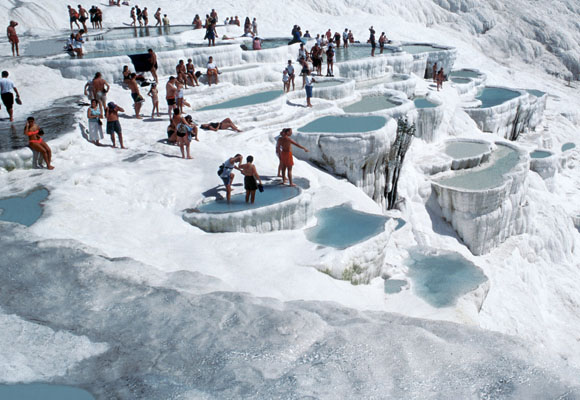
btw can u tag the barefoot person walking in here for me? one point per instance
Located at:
(113, 124)
(227, 173)
(13, 37)
(6, 88)
(135, 95)
(286, 158)
(35, 142)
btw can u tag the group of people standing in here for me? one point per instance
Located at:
(95, 15)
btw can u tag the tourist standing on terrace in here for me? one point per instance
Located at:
(165, 20)
(94, 115)
(135, 95)
(372, 41)
(382, 40)
(345, 38)
(13, 37)
(83, 17)
(73, 16)
(157, 16)
(100, 88)
(154, 94)
(133, 17)
(214, 16)
(99, 17)
(250, 175)
(255, 29)
(197, 24)
(153, 64)
(139, 15)
(145, 15)
(170, 95)
(6, 88)
(308, 86)
(291, 75)
(183, 128)
(227, 173)
(286, 158)
(113, 124)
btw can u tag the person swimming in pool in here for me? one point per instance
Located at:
(217, 126)
(35, 142)
(250, 175)
(286, 158)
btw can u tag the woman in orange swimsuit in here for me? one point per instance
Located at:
(35, 142)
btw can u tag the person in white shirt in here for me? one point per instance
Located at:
(212, 71)
(6, 89)
(255, 27)
(345, 38)
(291, 74)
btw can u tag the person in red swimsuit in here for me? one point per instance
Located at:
(13, 37)
(286, 158)
(35, 141)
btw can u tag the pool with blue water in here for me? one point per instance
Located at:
(358, 52)
(253, 99)
(494, 96)
(420, 48)
(568, 146)
(540, 154)
(25, 210)
(465, 73)
(394, 286)
(371, 104)
(421, 102)
(344, 124)
(487, 176)
(41, 391)
(536, 93)
(460, 149)
(442, 278)
(341, 227)
(272, 194)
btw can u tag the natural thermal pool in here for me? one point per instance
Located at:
(344, 124)
(25, 210)
(393, 286)
(540, 154)
(493, 96)
(420, 48)
(272, 194)
(461, 81)
(442, 278)
(568, 146)
(421, 102)
(488, 175)
(41, 391)
(358, 52)
(341, 227)
(253, 99)
(370, 104)
(465, 149)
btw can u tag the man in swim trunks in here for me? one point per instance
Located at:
(100, 89)
(291, 74)
(135, 95)
(153, 63)
(227, 174)
(372, 41)
(13, 37)
(83, 17)
(145, 15)
(6, 88)
(171, 94)
(286, 158)
(250, 175)
(181, 72)
(113, 124)
(330, 61)
(157, 16)
(73, 16)
(224, 125)
(190, 69)
(212, 71)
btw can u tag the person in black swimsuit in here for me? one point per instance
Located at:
(372, 41)
(216, 126)
(250, 175)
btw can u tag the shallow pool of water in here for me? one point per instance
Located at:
(568, 146)
(459, 150)
(422, 102)
(137, 32)
(393, 286)
(461, 81)
(489, 175)
(41, 391)
(272, 194)
(370, 104)
(55, 120)
(143, 50)
(536, 93)
(441, 279)
(358, 52)
(323, 83)
(493, 96)
(540, 154)
(256, 98)
(341, 227)
(266, 44)
(420, 48)
(465, 73)
(344, 124)
(25, 210)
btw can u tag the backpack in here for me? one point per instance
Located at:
(220, 170)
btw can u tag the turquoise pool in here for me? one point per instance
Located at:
(540, 154)
(442, 278)
(393, 286)
(370, 104)
(420, 48)
(568, 146)
(421, 102)
(358, 52)
(23, 210)
(137, 32)
(461, 81)
(459, 150)
(253, 99)
(272, 194)
(322, 83)
(493, 96)
(536, 93)
(267, 44)
(465, 73)
(490, 175)
(41, 391)
(344, 124)
(341, 227)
